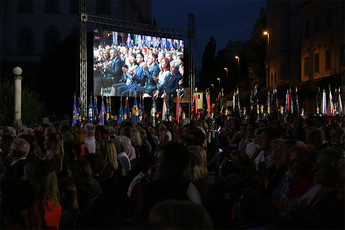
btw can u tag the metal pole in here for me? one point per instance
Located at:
(17, 71)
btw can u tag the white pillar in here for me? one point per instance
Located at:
(17, 71)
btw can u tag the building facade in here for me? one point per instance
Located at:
(30, 28)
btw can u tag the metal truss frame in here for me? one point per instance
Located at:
(130, 26)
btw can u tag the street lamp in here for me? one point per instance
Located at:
(266, 33)
(212, 86)
(238, 69)
(226, 78)
(218, 79)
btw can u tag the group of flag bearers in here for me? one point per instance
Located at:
(326, 105)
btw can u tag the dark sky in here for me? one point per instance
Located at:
(223, 19)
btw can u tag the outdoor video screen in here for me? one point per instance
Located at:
(128, 64)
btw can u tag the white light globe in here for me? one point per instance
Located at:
(17, 71)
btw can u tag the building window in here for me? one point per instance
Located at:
(317, 24)
(342, 54)
(51, 38)
(328, 59)
(103, 7)
(316, 63)
(329, 21)
(307, 29)
(51, 6)
(74, 6)
(306, 66)
(25, 6)
(26, 41)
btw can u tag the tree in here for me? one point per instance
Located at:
(207, 72)
(32, 107)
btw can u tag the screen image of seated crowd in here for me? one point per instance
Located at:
(137, 65)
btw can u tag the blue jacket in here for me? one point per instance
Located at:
(150, 72)
(114, 69)
(171, 84)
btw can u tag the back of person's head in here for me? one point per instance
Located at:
(316, 137)
(90, 129)
(81, 172)
(302, 159)
(43, 179)
(95, 161)
(19, 209)
(198, 162)
(174, 162)
(179, 214)
(20, 148)
(68, 195)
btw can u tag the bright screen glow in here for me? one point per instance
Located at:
(134, 64)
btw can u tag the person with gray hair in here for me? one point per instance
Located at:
(18, 152)
(90, 140)
(171, 84)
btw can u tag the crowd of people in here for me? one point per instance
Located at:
(120, 70)
(220, 171)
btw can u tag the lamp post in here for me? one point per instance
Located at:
(226, 79)
(266, 33)
(212, 86)
(238, 70)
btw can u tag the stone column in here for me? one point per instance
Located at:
(17, 71)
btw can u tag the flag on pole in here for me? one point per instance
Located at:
(340, 103)
(251, 101)
(287, 103)
(140, 110)
(102, 113)
(291, 101)
(75, 112)
(125, 109)
(324, 103)
(331, 101)
(129, 41)
(178, 107)
(208, 101)
(135, 112)
(164, 109)
(268, 103)
(153, 112)
(90, 113)
(297, 103)
(239, 102)
(234, 102)
(95, 106)
(107, 102)
(120, 117)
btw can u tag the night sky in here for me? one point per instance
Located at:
(224, 20)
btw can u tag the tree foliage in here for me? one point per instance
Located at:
(32, 107)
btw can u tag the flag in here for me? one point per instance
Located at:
(340, 103)
(135, 112)
(234, 102)
(297, 103)
(142, 106)
(251, 101)
(108, 104)
(129, 41)
(208, 101)
(95, 106)
(102, 113)
(324, 103)
(178, 108)
(331, 101)
(120, 117)
(165, 110)
(90, 113)
(287, 102)
(125, 110)
(291, 102)
(80, 109)
(239, 102)
(139, 42)
(75, 113)
(153, 111)
(140, 110)
(268, 103)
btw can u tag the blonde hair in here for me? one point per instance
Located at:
(109, 156)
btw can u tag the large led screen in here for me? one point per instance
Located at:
(135, 64)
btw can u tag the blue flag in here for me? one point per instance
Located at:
(90, 112)
(135, 112)
(102, 113)
(140, 110)
(75, 113)
(120, 118)
(127, 106)
(129, 41)
(95, 107)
